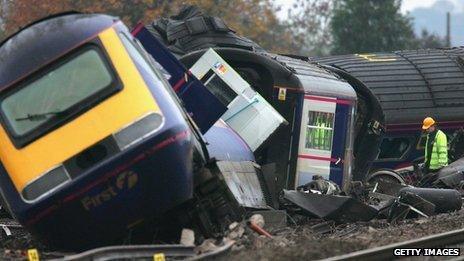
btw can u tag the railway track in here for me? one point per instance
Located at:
(386, 252)
(138, 252)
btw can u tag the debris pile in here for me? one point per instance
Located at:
(313, 238)
(322, 199)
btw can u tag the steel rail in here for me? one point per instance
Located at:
(386, 252)
(132, 252)
(147, 252)
(215, 253)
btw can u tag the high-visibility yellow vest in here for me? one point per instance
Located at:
(439, 155)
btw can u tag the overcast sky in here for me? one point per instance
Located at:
(408, 5)
(426, 14)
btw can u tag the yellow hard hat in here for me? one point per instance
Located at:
(428, 122)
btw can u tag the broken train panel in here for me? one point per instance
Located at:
(229, 140)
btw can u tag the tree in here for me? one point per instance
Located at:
(23, 12)
(3, 9)
(255, 19)
(309, 21)
(430, 40)
(370, 25)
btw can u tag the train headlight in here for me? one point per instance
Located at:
(46, 183)
(138, 130)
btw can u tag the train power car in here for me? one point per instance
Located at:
(84, 120)
(95, 143)
(410, 86)
(331, 116)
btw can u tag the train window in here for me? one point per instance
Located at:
(65, 89)
(219, 88)
(394, 147)
(319, 130)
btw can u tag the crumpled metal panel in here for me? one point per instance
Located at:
(243, 181)
(331, 207)
(248, 113)
(451, 175)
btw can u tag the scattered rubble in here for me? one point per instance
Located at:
(187, 237)
(304, 240)
(319, 185)
(257, 220)
(330, 207)
(275, 219)
(304, 237)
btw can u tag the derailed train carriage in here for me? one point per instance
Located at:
(410, 86)
(96, 145)
(335, 122)
(321, 109)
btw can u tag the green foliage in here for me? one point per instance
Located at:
(255, 19)
(308, 21)
(370, 25)
(312, 28)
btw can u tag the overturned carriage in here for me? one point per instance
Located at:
(335, 122)
(410, 86)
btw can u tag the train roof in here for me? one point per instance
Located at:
(314, 79)
(45, 40)
(191, 32)
(411, 85)
(286, 72)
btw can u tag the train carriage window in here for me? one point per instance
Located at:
(319, 130)
(65, 89)
(394, 147)
(218, 87)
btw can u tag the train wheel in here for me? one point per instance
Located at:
(384, 176)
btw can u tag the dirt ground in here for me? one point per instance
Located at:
(300, 240)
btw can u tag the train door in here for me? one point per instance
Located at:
(323, 134)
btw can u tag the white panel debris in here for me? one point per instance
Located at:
(249, 114)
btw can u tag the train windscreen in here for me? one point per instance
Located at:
(66, 87)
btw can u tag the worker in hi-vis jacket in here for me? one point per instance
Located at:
(436, 150)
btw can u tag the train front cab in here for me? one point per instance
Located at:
(94, 142)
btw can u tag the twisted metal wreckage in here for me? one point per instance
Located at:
(188, 34)
(253, 131)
